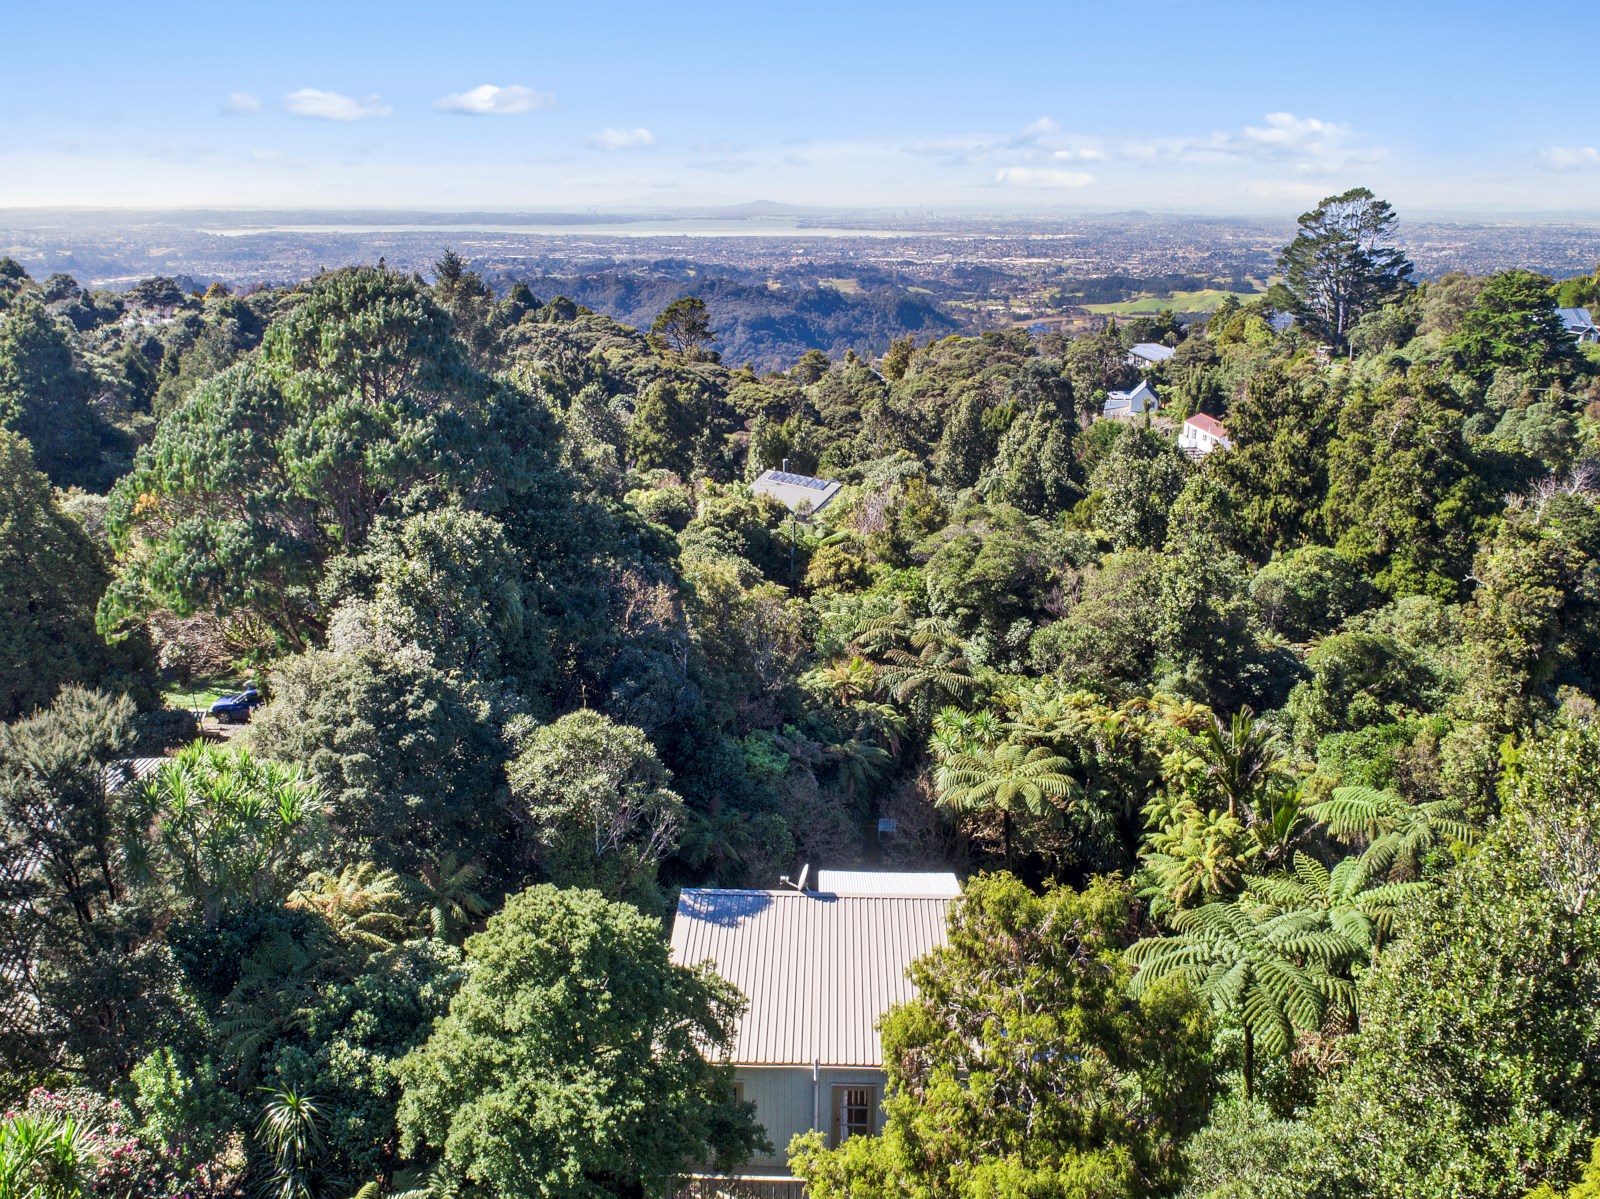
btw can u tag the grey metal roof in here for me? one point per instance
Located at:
(1152, 352)
(819, 970)
(936, 884)
(798, 493)
(1575, 318)
(1142, 396)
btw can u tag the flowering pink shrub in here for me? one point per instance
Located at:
(128, 1169)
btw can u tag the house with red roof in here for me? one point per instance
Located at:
(1201, 434)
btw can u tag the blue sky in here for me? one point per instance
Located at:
(1166, 105)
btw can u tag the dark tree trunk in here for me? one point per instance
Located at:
(1249, 1065)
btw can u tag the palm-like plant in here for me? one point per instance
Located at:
(1356, 909)
(46, 1157)
(362, 905)
(290, 1131)
(1397, 834)
(848, 679)
(1009, 779)
(956, 730)
(221, 827)
(1242, 758)
(1280, 825)
(1271, 971)
(446, 892)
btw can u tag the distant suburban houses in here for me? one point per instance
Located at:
(819, 969)
(1123, 404)
(801, 494)
(1580, 324)
(1201, 434)
(1148, 353)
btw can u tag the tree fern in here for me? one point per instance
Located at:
(1270, 971)
(1396, 834)
(446, 892)
(362, 906)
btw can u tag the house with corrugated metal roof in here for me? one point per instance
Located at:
(1120, 405)
(1580, 324)
(1149, 353)
(801, 494)
(819, 969)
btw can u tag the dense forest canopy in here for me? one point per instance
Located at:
(1273, 770)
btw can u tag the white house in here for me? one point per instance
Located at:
(1201, 434)
(819, 968)
(1580, 324)
(801, 494)
(1123, 404)
(1149, 353)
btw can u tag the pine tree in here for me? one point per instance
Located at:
(1343, 263)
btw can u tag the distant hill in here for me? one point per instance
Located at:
(770, 327)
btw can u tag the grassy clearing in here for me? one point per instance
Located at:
(1208, 300)
(849, 287)
(202, 693)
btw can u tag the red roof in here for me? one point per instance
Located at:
(1207, 424)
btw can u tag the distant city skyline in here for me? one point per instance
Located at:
(1167, 106)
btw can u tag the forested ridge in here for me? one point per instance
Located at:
(767, 323)
(1274, 773)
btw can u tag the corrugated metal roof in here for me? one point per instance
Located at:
(819, 970)
(798, 493)
(934, 884)
(130, 771)
(1575, 318)
(1152, 352)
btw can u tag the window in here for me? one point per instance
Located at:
(855, 1112)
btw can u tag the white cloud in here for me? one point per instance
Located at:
(242, 102)
(489, 100)
(1037, 178)
(1566, 157)
(1285, 133)
(1040, 142)
(331, 106)
(622, 139)
(1308, 145)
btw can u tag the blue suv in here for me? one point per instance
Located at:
(236, 709)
